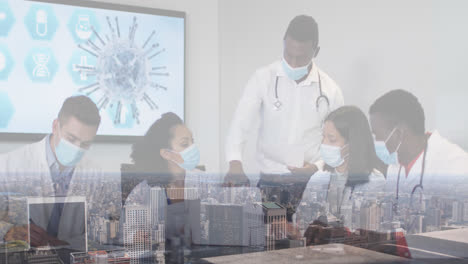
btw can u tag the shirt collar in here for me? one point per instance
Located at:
(411, 164)
(313, 76)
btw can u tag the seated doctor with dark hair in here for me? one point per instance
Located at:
(57, 166)
(165, 165)
(351, 170)
(420, 162)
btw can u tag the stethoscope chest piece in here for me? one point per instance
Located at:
(277, 104)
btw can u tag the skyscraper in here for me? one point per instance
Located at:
(183, 193)
(234, 225)
(434, 218)
(370, 215)
(465, 211)
(225, 224)
(157, 205)
(457, 211)
(275, 223)
(137, 233)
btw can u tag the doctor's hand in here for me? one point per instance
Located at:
(304, 172)
(236, 175)
(39, 237)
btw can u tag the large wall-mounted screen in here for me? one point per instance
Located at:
(128, 60)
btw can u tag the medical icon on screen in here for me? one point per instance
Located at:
(41, 70)
(41, 65)
(81, 68)
(41, 23)
(83, 27)
(7, 109)
(84, 62)
(6, 18)
(6, 62)
(2, 62)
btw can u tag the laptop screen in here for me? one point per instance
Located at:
(58, 222)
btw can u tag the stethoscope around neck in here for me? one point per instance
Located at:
(416, 187)
(321, 98)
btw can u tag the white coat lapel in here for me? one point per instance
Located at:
(38, 152)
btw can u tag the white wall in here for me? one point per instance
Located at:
(202, 82)
(369, 47)
(451, 57)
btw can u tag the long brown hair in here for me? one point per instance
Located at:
(353, 126)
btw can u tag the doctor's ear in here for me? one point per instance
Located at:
(400, 131)
(55, 126)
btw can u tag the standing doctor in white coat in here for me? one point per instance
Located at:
(291, 96)
(56, 166)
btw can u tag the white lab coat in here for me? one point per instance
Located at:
(446, 170)
(26, 171)
(288, 136)
(445, 176)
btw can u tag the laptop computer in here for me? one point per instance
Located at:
(60, 222)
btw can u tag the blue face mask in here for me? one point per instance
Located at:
(68, 154)
(331, 155)
(295, 73)
(382, 152)
(191, 157)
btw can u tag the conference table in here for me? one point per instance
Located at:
(330, 253)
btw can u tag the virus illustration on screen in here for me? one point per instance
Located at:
(124, 71)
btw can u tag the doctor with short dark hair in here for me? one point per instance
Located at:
(57, 166)
(420, 162)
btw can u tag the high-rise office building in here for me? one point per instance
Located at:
(157, 205)
(191, 193)
(254, 226)
(434, 218)
(113, 227)
(275, 223)
(229, 195)
(465, 211)
(387, 211)
(183, 193)
(370, 215)
(234, 225)
(225, 224)
(416, 224)
(137, 233)
(457, 211)
(158, 234)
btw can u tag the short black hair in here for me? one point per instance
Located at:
(400, 106)
(353, 126)
(303, 28)
(82, 108)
